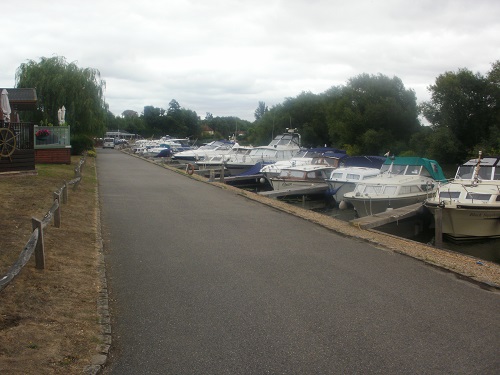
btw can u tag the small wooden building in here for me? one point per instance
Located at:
(17, 153)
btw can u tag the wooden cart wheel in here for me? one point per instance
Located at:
(7, 142)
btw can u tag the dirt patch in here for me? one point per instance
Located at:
(48, 318)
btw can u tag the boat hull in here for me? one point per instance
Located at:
(468, 222)
(339, 188)
(367, 206)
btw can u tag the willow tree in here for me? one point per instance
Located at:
(59, 83)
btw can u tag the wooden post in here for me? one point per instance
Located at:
(221, 177)
(57, 213)
(39, 249)
(212, 175)
(438, 227)
(65, 193)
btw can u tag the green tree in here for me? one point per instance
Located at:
(374, 113)
(463, 103)
(57, 84)
(260, 111)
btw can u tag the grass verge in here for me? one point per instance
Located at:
(48, 318)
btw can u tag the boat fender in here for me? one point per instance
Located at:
(190, 169)
(343, 205)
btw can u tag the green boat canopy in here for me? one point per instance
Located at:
(431, 166)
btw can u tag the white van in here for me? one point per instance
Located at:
(108, 142)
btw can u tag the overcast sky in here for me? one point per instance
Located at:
(224, 56)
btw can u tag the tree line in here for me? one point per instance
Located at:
(369, 115)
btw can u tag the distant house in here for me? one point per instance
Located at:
(207, 131)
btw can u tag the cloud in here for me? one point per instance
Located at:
(225, 56)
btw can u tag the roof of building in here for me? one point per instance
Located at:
(22, 99)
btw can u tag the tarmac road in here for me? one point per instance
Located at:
(204, 281)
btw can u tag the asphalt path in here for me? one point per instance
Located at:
(205, 281)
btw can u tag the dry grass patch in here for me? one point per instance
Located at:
(48, 318)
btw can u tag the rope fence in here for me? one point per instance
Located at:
(35, 243)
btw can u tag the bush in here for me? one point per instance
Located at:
(81, 143)
(91, 153)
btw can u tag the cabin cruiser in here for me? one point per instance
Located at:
(318, 155)
(300, 176)
(354, 169)
(217, 161)
(402, 181)
(343, 180)
(204, 152)
(470, 203)
(166, 147)
(283, 147)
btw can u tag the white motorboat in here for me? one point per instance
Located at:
(402, 181)
(217, 161)
(308, 175)
(344, 180)
(470, 203)
(204, 152)
(283, 147)
(319, 155)
(158, 147)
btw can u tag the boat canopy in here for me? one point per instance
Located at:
(364, 161)
(431, 166)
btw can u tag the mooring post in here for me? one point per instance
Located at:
(438, 227)
(221, 177)
(57, 213)
(39, 249)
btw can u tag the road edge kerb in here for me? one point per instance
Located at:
(99, 359)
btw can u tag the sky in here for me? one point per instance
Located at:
(225, 56)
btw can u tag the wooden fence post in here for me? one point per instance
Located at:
(65, 193)
(39, 249)
(212, 175)
(57, 213)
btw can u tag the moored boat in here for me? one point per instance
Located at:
(344, 180)
(282, 147)
(402, 181)
(204, 152)
(308, 175)
(319, 155)
(470, 203)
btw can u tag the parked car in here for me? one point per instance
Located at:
(108, 143)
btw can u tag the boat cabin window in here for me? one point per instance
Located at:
(449, 195)
(485, 173)
(496, 174)
(351, 176)
(373, 189)
(291, 174)
(390, 190)
(465, 172)
(413, 170)
(409, 189)
(478, 196)
(336, 175)
(398, 169)
(314, 174)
